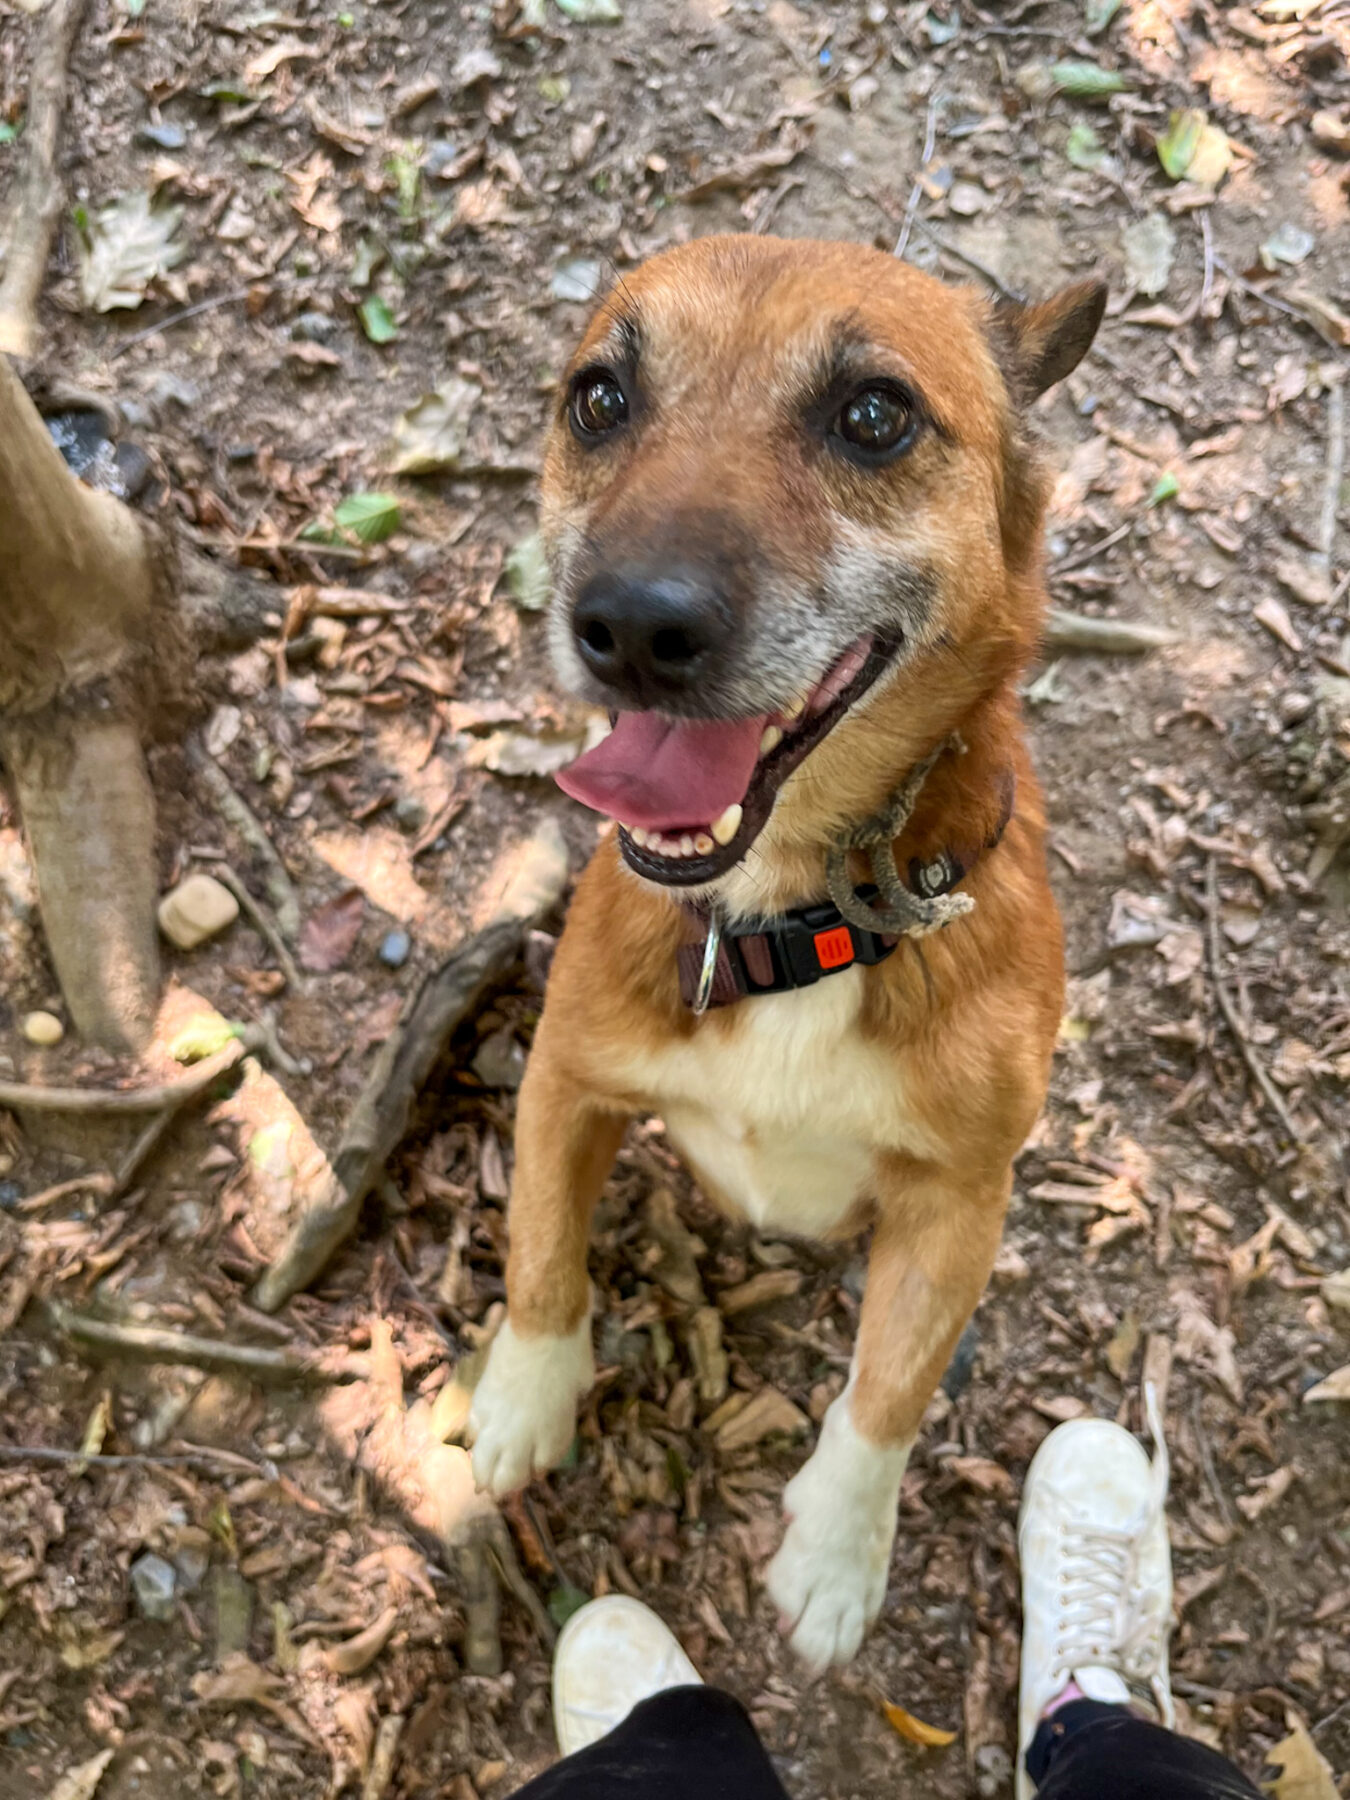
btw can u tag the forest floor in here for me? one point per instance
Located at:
(370, 206)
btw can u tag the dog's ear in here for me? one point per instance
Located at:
(1038, 345)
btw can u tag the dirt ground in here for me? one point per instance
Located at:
(474, 169)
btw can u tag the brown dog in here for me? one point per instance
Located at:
(794, 520)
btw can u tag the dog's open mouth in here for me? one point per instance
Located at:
(692, 795)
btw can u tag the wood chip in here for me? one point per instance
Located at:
(760, 1290)
(767, 1412)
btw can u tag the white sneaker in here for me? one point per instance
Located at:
(1096, 1573)
(613, 1653)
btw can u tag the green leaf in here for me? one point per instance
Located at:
(1177, 145)
(554, 88)
(1084, 148)
(8, 132)
(407, 174)
(1086, 80)
(231, 91)
(1166, 487)
(370, 518)
(346, 20)
(527, 574)
(592, 12)
(1098, 14)
(1193, 148)
(377, 321)
(564, 1601)
(202, 1037)
(369, 256)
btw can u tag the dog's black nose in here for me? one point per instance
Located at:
(647, 635)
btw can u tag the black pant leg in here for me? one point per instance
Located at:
(689, 1743)
(1086, 1751)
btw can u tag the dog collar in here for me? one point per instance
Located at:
(722, 962)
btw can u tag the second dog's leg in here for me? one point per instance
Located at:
(931, 1256)
(540, 1363)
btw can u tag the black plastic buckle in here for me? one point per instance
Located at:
(818, 940)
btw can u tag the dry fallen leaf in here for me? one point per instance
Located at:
(1271, 613)
(329, 934)
(915, 1730)
(1305, 1774)
(1335, 1387)
(80, 1783)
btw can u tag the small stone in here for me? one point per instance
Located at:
(500, 1061)
(10, 1194)
(153, 1582)
(163, 137)
(395, 949)
(314, 327)
(43, 1028)
(1295, 706)
(197, 909)
(410, 813)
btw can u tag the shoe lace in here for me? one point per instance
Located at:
(1105, 1619)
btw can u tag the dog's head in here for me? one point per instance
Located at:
(791, 513)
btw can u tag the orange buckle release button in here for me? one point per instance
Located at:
(834, 948)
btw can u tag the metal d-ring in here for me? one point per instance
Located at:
(707, 974)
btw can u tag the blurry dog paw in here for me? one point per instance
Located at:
(524, 1410)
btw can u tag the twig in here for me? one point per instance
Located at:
(35, 1453)
(384, 1106)
(1207, 285)
(1266, 298)
(1206, 1456)
(1269, 1092)
(506, 1565)
(152, 1343)
(96, 1183)
(38, 194)
(786, 186)
(916, 191)
(1077, 558)
(382, 1757)
(1109, 637)
(167, 324)
(168, 1094)
(992, 276)
(141, 1151)
(227, 878)
(1335, 476)
(237, 812)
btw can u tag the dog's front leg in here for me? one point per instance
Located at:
(540, 1363)
(931, 1255)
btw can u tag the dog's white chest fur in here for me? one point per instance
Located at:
(782, 1116)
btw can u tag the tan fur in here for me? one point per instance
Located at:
(895, 1095)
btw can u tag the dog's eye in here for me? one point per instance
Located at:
(599, 404)
(877, 420)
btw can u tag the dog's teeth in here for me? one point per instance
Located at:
(772, 738)
(725, 827)
(686, 845)
(703, 844)
(638, 836)
(794, 709)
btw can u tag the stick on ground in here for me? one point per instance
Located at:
(1108, 637)
(152, 1343)
(380, 1116)
(1227, 1006)
(238, 814)
(20, 1097)
(37, 195)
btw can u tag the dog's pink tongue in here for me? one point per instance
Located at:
(660, 773)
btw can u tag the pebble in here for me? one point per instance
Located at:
(395, 949)
(197, 909)
(1295, 706)
(10, 1194)
(315, 327)
(500, 1061)
(153, 1582)
(410, 812)
(163, 137)
(43, 1028)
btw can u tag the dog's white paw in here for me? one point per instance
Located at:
(828, 1579)
(524, 1413)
